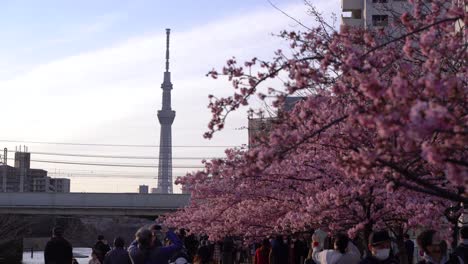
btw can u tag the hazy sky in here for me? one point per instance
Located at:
(90, 71)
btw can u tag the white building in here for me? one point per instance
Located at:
(372, 13)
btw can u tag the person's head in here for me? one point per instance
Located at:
(119, 242)
(57, 231)
(406, 236)
(158, 235)
(266, 243)
(100, 237)
(155, 227)
(431, 243)
(340, 243)
(380, 244)
(182, 232)
(144, 237)
(464, 235)
(279, 239)
(203, 243)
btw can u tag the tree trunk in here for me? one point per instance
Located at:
(402, 253)
(365, 239)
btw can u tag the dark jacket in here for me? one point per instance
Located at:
(373, 260)
(409, 246)
(101, 250)
(117, 256)
(228, 251)
(155, 255)
(204, 254)
(462, 252)
(58, 251)
(279, 252)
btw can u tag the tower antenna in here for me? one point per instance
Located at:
(168, 33)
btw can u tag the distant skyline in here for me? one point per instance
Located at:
(90, 72)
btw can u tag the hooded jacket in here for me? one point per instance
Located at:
(330, 256)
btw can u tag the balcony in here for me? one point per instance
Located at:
(350, 5)
(353, 22)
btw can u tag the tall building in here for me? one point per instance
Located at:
(22, 164)
(166, 117)
(21, 178)
(372, 13)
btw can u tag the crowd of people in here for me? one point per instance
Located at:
(158, 245)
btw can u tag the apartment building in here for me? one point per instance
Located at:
(61, 185)
(372, 13)
(22, 178)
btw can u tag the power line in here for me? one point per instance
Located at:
(112, 156)
(114, 164)
(112, 145)
(90, 175)
(88, 170)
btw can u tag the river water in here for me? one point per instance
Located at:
(82, 255)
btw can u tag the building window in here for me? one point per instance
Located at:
(379, 20)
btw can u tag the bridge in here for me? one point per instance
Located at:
(91, 204)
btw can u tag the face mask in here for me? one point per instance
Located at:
(382, 254)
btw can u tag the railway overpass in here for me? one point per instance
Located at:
(91, 204)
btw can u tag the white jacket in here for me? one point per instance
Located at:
(330, 256)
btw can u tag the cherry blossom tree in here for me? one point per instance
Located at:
(379, 140)
(403, 113)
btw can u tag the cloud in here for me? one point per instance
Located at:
(112, 94)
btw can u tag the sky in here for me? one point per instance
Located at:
(90, 72)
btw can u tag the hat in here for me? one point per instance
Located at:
(379, 237)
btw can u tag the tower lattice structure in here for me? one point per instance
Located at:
(166, 117)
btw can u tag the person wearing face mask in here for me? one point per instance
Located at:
(380, 248)
(435, 249)
(343, 252)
